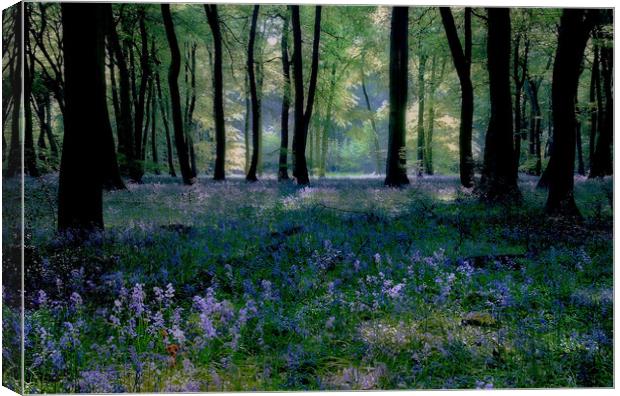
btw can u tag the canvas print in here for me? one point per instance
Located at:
(279, 197)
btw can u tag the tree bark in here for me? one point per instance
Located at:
(175, 98)
(154, 153)
(421, 133)
(286, 103)
(251, 176)
(573, 35)
(595, 93)
(499, 176)
(218, 100)
(164, 119)
(83, 164)
(373, 124)
(137, 170)
(603, 161)
(396, 164)
(302, 118)
(462, 63)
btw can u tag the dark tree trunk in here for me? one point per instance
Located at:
(125, 123)
(246, 121)
(603, 161)
(251, 176)
(535, 129)
(164, 119)
(595, 95)
(147, 117)
(396, 164)
(499, 176)
(14, 163)
(300, 168)
(137, 170)
(286, 104)
(83, 162)
(218, 89)
(519, 72)
(462, 63)
(573, 35)
(581, 169)
(175, 97)
(154, 155)
(421, 133)
(30, 156)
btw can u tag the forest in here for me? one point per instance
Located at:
(214, 197)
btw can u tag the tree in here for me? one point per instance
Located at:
(499, 176)
(396, 166)
(14, 162)
(602, 161)
(302, 117)
(82, 164)
(175, 97)
(218, 101)
(251, 176)
(574, 32)
(462, 63)
(286, 102)
(421, 91)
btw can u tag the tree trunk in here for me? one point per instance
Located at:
(373, 124)
(125, 121)
(396, 164)
(30, 156)
(218, 93)
(603, 161)
(137, 170)
(462, 63)
(86, 119)
(595, 93)
(499, 176)
(519, 72)
(154, 153)
(164, 119)
(531, 89)
(14, 162)
(251, 175)
(428, 150)
(246, 122)
(147, 117)
(175, 97)
(421, 133)
(573, 35)
(286, 104)
(580, 165)
(302, 118)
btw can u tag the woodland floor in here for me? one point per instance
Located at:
(341, 285)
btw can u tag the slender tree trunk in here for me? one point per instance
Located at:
(435, 79)
(396, 164)
(147, 117)
(125, 121)
(580, 164)
(137, 171)
(302, 118)
(251, 175)
(175, 98)
(218, 93)
(595, 92)
(499, 176)
(573, 35)
(421, 134)
(14, 162)
(373, 124)
(519, 72)
(286, 103)
(83, 163)
(246, 122)
(531, 88)
(603, 161)
(154, 153)
(164, 119)
(462, 64)
(30, 156)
